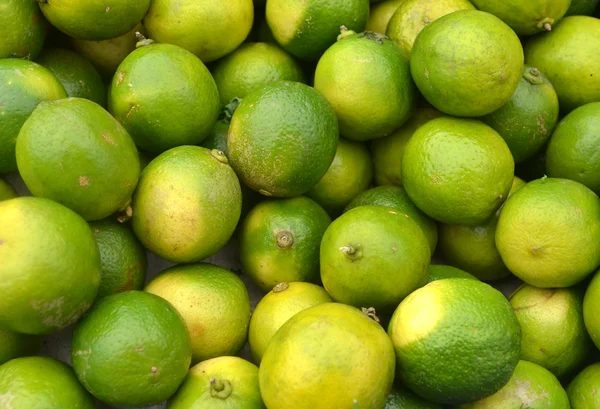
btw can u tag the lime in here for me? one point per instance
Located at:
(567, 56)
(74, 152)
(178, 212)
(227, 382)
(583, 390)
(582, 8)
(467, 63)
(23, 85)
(548, 233)
(6, 190)
(403, 398)
(527, 120)
(23, 29)
(572, 151)
(131, 349)
(14, 345)
(50, 266)
(457, 171)
(282, 139)
(208, 28)
(591, 309)
(331, 348)
(441, 272)
(456, 340)
(380, 15)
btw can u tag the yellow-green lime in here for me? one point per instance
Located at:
(132, 349)
(50, 266)
(404, 398)
(583, 389)
(24, 29)
(380, 15)
(457, 340)
(213, 302)
(331, 348)
(14, 345)
(548, 234)
(457, 171)
(591, 309)
(280, 239)
(582, 8)
(283, 302)
(467, 63)
(441, 272)
(6, 190)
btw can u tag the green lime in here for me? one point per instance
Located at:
(403, 398)
(582, 8)
(14, 345)
(449, 330)
(6, 190)
(132, 349)
(591, 309)
(583, 390)
(24, 29)
(380, 15)
(441, 272)
(467, 63)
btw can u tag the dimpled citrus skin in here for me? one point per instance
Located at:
(467, 63)
(457, 171)
(23, 29)
(583, 389)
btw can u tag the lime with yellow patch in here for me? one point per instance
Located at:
(24, 29)
(15, 345)
(582, 390)
(380, 15)
(6, 190)
(591, 309)
(441, 272)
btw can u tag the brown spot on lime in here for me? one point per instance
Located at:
(426, 20)
(84, 181)
(106, 137)
(1, 242)
(426, 73)
(107, 9)
(154, 369)
(130, 111)
(579, 212)
(394, 249)
(139, 348)
(120, 77)
(96, 230)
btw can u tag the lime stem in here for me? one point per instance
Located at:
(142, 41)
(352, 252)
(281, 287)
(285, 239)
(220, 388)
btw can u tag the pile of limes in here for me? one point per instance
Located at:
(410, 185)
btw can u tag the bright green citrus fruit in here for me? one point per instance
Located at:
(582, 8)
(573, 149)
(396, 198)
(350, 173)
(75, 73)
(227, 382)
(6, 190)
(123, 258)
(591, 309)
(94, 19)
(283, 302)
(374, 256)
(413, 15)
(14, 345)
(441, 272)
(531, 386)
(548, 233)
(74, 152)
(50, 266)
(23, 85)
(331, 348)
(210, 29)
(23, 29)
(282, 139)
(380, 15)
(568, 58)
(306, 29)
(40, 383)
(467, 63)
(252, 66)
(280, 239)
(527, 120)
(187, 204)
(458, 171)
(132, 349)
(404, 398)
(583, 389)
(457, 340)
(387, 152)
(213, 302)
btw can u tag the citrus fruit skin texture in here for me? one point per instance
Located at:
(553, 333)
(403, 398)
(210, 29)
(122, 256)
(350, 173)
(14, 345)
(252, 66)
(132, 349)
(467, 63)
(591, 310)
(6, 190)
(23, 85)
(531, 386)
(74, 152)
(40, 383)
(177, 212)
(374, 256)
(94, 19)
(582, 389)
(276, 308)
(23, 28)
(41, 294)
(280, 239)
(380, 15)
(548, 233)
(456, 340)
(214, 304)
(306, 29)
(282, 139)
(387, 152)
(227, 382)
(572, 151)
(457, 171)
(582, 8)
(566, 55)
(75, 73)
(396, 198)
(441, 272)
(366, 78)
(526, 18)
(527, 120)
(414, 15)
(333, 348)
